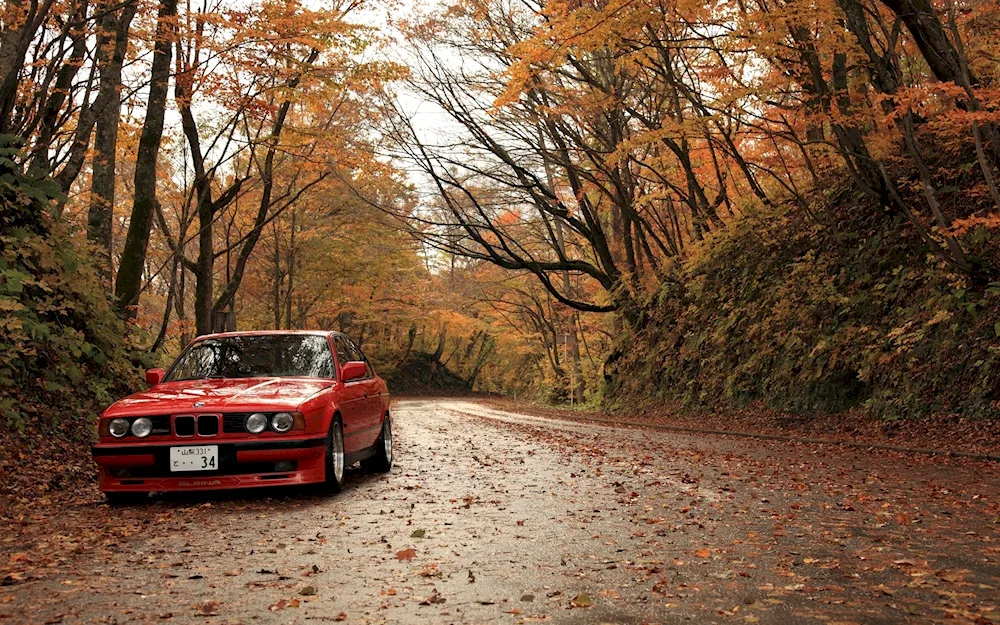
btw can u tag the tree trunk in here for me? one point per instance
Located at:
(290, 267)
(204, 286)
(225, 298)
(931, 38)
(128, 283)
(14, 43)
(63, 92)
(579, 385)
(112, 43)
(179, 305)
(411, 335)
(277, 278)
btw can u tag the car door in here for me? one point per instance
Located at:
(352, 401)
(372, 397)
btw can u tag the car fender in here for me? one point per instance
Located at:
(318, 410)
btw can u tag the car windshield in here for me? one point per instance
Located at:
(280, 355)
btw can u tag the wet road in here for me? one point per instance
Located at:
(493, 517)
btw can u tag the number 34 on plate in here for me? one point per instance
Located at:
(203, 458)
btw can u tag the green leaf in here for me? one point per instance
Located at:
(582, 600)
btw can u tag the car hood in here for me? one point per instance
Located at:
(230, 395)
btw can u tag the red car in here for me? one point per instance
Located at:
(246, 409)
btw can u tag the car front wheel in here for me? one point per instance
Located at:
(335, 458)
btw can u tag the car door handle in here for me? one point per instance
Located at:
(366, 395)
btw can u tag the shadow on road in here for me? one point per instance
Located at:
(355, 479)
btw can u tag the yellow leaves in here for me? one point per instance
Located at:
(939, 317)
(582, 600)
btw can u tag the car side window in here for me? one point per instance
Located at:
(357, 354)
(343, 355)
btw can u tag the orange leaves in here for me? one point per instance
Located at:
(406, 554)
(284, 603)
(990, 221)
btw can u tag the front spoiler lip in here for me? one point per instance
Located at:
(206, 483)
(240, 445)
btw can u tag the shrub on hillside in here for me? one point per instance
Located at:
(869, 319)
(62, 348)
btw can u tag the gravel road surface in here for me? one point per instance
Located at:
(494, 517)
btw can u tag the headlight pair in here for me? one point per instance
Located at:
(140, 428)
(280, 422)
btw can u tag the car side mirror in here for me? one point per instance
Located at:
(154, 376)
(354, 370)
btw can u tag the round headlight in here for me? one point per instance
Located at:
(141, 427)
(118, 427)
(256, 423)
(282, 422)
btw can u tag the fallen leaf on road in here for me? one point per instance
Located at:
(284, 603)
(207, 609)
(582, 600)
(703, 553)
(434, 598)
(406, 554)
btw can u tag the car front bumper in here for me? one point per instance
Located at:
(242, 464)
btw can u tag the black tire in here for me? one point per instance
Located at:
(126, 499)
(381, 462)
(335, 464)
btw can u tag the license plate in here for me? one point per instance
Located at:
(203, 458)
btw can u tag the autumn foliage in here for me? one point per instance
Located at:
(725, 201)
(794, 202)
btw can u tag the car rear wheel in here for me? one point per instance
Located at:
(125, 499)
(381, 462)
(335, 458)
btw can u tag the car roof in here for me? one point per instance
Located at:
(270, 332)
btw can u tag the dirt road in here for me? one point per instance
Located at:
(493, 517)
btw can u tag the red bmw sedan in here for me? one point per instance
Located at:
(246, 409)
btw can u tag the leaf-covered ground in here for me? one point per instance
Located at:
(493, 517)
